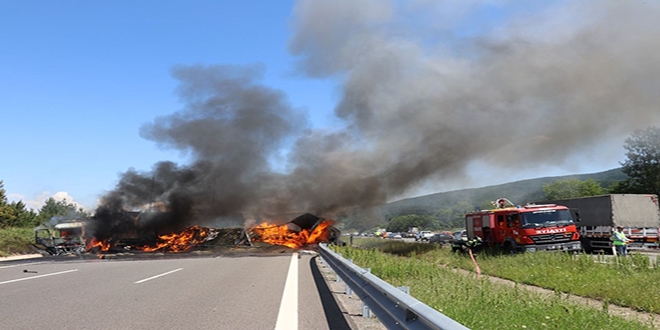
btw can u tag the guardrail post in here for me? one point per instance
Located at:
(366, 312)
(324, 263)
(405, 289)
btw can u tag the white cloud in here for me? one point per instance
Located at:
(37, 201)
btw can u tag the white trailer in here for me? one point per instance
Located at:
(599, 215)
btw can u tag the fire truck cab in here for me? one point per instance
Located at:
(525, 229)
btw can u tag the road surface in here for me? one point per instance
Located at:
(283, 291)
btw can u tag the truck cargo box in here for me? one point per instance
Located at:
(627, 210)
(599, 215)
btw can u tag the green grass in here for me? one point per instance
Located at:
(16, 241)
(630, 282)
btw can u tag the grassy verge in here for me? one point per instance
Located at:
(478, 303)
(16, 241)
(630, 282)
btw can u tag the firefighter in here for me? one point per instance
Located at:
(458, 245)
(475, 244)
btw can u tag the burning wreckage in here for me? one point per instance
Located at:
(130, 231)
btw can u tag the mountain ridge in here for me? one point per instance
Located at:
(518, 192)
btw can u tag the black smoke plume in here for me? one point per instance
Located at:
(422, 99)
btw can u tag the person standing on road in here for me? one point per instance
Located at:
(620, 241)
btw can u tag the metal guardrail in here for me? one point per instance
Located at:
(394, 308)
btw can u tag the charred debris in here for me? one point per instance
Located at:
(125, 232)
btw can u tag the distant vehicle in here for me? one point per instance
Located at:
(424, 235)
(397, 236)
(460, 235)
(441, 238)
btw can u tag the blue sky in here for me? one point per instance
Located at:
(78, 79)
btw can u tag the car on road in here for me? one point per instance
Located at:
(441, 238)
(424, 235)
(460, 235)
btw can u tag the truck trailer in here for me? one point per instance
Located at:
(600, 215)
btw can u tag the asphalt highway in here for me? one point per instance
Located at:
(278, 292)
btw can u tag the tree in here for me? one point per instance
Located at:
(6, 215)
(404, 222)
(21, 216)
(14, 214)
(572, 188)
(64, 209)
(3, 193)
(362, 220)
(454, 216)
(643, 163)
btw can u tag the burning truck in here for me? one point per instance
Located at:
(67, 237)
(135, 231)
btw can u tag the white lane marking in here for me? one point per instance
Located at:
(38, 276)
(1, 267)
(157, 276)
(287, 318)
(23, 265)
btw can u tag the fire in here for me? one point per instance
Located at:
(103, 245)
(182, 241)
(306, 229)
(282, 235)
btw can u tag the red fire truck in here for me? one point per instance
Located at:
(525, 228)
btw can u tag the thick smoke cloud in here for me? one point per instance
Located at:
(419, 99)
(233, 128)
(549, 83)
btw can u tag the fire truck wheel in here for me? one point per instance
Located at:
(507, 248)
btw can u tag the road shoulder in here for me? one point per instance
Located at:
(351, 305)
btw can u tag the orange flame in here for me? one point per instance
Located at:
(180, 242)
(103, 245)
(282, 235)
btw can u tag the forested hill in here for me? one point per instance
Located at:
(519, 192)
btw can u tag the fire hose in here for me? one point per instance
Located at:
(476, 265)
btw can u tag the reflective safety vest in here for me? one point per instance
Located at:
(619, 238)
(474, 242)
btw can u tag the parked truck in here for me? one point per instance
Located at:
(600, 215)
(547, 227)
